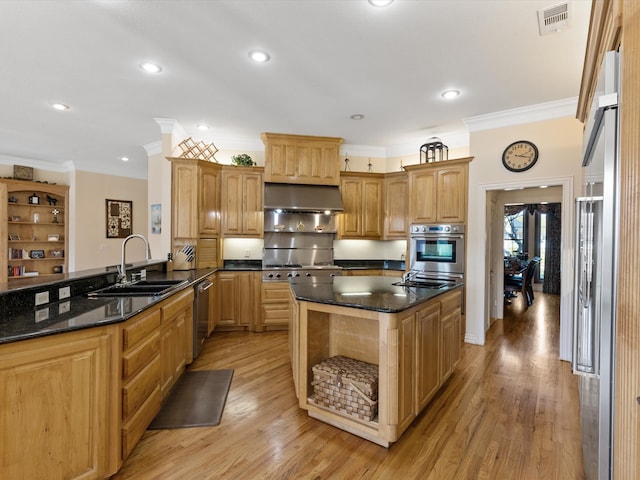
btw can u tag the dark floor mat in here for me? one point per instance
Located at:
(197, 400)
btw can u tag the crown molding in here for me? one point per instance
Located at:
(519, 116)
(66, 166)
(153, 148)
(170, 126)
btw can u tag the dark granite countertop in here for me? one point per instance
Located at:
(376, 293)
(79, 311)
(371, 264)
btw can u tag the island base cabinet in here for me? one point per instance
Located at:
(415, 349)
(58, 417)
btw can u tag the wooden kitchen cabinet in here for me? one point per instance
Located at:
(450, 333)
(176, 338)
(141, 396)
(362, 202)
(196, 208)
(59, 397)
(396, 206)
(427, 348)
(213, 305)
(239, 294)
(406, 373)
(276, 310)
(32, 237)
(301, 159)
(438, 191)
(408, 346)
(242, 201)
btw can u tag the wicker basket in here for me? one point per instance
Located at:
(346, 385)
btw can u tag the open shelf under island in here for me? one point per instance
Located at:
(413, 335)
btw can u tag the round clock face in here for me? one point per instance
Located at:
(520, 156)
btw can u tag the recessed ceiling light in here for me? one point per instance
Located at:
(544, 186)
(202, 126)
(357, 116)
(60, 106)
(259, 56)
(380, 3)
(151, 67)
(124, 159)
(449, 94)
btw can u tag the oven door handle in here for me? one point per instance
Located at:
(439, 236)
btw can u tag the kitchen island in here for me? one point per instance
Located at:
(413, 335)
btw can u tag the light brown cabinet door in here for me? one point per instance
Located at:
(55, 416)
(185, 200)
(452, 188)
(227, 287)
(209, 204)
(253, 201)
(450, 344)
(372, 208)
(406, 371)
(350, 218)
(301, 159)
(438, 192)
(239, 294)
(242, 201)
(423, 188)
(427, 348)
(362, 203)
(396, 206)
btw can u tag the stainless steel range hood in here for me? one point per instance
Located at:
(302, 198)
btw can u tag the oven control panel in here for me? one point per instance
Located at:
(435, 229)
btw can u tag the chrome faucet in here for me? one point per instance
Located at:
(122, 273)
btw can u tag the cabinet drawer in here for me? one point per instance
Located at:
(135, 392)
(272, 293)
(133, 430)
(139, 328)
(276, 314)
(136, 359)
(177, 304)
(450, 301)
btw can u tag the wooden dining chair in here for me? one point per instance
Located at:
(524, 283)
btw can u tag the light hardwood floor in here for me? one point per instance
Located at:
(509, 411)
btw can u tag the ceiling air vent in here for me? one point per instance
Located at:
(555, 18)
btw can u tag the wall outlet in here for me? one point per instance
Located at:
(247, 253)
(42, 314)
(64, 292)
(64, 307)
(42, 298)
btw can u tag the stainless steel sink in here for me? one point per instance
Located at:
(142, 288)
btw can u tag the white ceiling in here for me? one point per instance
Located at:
(329, 59)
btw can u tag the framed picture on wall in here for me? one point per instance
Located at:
(156, 218)
(119, 218)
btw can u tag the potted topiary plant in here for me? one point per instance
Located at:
(243, 159)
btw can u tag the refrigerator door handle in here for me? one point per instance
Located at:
(585, 359)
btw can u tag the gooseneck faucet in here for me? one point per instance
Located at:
(122, 273)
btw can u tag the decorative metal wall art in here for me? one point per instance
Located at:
(119, 218)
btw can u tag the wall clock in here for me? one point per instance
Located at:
(520, 156)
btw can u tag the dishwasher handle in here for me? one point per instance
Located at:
(206, 285)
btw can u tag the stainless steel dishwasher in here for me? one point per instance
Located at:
(200, 315)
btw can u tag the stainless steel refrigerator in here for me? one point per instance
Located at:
(596, 252)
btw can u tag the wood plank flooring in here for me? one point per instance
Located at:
(509, 411)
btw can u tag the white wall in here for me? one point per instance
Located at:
(560, 144)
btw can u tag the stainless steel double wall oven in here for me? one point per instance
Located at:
(436, 252)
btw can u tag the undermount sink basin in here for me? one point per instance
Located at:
(142, 288)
